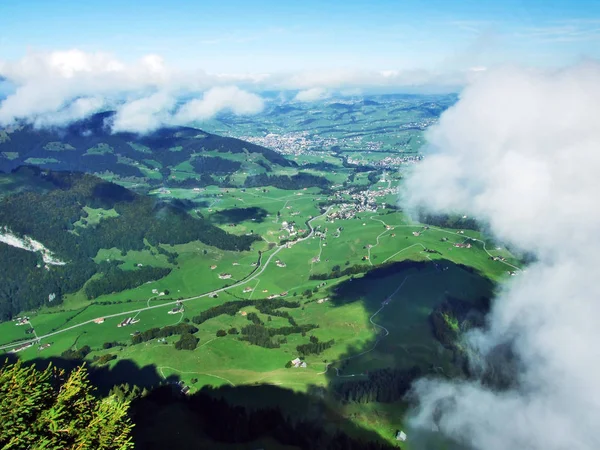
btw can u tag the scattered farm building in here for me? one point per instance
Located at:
(177, 310)
(21, 347)
(298, 363)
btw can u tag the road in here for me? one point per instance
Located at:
(164, 305)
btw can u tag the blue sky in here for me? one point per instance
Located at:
(271, 36)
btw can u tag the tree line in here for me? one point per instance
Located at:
(314, 346)
(114, 279)
(265, 306)
(384, 386)
(337, 272)
(257, 334)
(169, 330)
(299, 181)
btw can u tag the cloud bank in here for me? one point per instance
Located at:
(521, 150)
(54, 88)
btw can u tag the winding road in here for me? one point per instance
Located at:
(263, 267)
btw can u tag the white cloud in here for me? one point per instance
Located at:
(46, 85)
(312, 94)
(521, 150)
(145, 114)
(217, 99)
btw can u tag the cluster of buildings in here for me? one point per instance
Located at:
(22, 321)
(363, 201)
(387, 162)
(295, 143)
(462, 245)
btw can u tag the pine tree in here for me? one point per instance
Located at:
(51, 409)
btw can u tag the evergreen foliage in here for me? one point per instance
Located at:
(314, 346)
(299, 181)
(169, 330)
(51, 409)
(187, 341)
(385, 386)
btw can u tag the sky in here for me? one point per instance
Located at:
(63, 60)
(277, 36)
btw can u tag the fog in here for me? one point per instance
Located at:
(521, 151)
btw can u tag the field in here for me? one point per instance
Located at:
(354, 269)
(346, 309)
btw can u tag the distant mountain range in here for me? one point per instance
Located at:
(90, 146)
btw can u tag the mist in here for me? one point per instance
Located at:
(521, 151)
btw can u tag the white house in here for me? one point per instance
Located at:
(401, 436)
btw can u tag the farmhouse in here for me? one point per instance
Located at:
(460, 245)
(224, 276)
(21, 347)
(126, 322)
(178, 309)
(248, 289)
(401, 436)
(298, 363)
(213, 267)
(99, 320)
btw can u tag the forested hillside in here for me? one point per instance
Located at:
(90, 146)
(57, 219)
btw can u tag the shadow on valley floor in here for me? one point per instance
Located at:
(242, 417)
(105, 377)
(245, 417)
(236, 215)
(404, 302)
